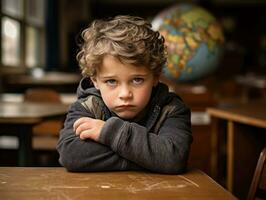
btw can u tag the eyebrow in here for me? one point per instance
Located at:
(107, 77)
(114, 76)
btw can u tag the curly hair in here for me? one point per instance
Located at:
(128, 38)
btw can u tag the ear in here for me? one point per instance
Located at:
(94, 81)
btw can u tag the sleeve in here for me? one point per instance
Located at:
(165, 152)
(86, 155)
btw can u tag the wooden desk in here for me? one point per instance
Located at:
(66, 98)
(19, 118)
(245, 138)
(58, 80)
(56, 183)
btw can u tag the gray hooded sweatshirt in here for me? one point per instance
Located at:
(159, 140)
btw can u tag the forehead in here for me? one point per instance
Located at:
(112, 65)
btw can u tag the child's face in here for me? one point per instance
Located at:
(125, 88)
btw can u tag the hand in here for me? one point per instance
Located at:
(88, 128)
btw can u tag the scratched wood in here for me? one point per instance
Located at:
(56, 183)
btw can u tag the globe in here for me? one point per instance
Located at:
(194, 41)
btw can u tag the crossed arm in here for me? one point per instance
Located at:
(88, 144)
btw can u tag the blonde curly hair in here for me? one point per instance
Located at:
(128, 38)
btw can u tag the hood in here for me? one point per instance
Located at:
(160, 95)
(86, 88)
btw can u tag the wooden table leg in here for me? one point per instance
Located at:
(214, 148)
(230, 155)
(25, 146)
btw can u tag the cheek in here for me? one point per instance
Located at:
(143, 96)
(108, 98)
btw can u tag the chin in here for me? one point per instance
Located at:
(126, 116)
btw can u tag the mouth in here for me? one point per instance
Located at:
(124, 107)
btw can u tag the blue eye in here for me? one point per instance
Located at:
(138, 81)
(111, 82)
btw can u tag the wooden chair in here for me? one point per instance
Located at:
(45, 134)
(255, 190)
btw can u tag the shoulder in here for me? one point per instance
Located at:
(172, 108)
(94, 105)
(175, 106)
(168, 100)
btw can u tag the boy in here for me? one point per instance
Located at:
(128, 120)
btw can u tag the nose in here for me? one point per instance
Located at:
(125, 92)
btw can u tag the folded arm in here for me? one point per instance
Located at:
(87, 155)
(166, 151)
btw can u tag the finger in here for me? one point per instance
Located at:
(85, 126)
(87, 134)
(79, 121)
(82, 127)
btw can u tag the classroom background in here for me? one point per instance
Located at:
(39, 42)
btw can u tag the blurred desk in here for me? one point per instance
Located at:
(251, 80)
(62, 82)
(66, 98)
(253, 86)
(57, 183)
(19, 118)
(245, 138)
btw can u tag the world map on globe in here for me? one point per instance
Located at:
(194, 41)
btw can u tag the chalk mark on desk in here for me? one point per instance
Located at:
(4, 176)
(147, 183)
(188, 180)
(49, 188)
(136, 184)
(141, 184)
(161, 185)
(105, 186)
